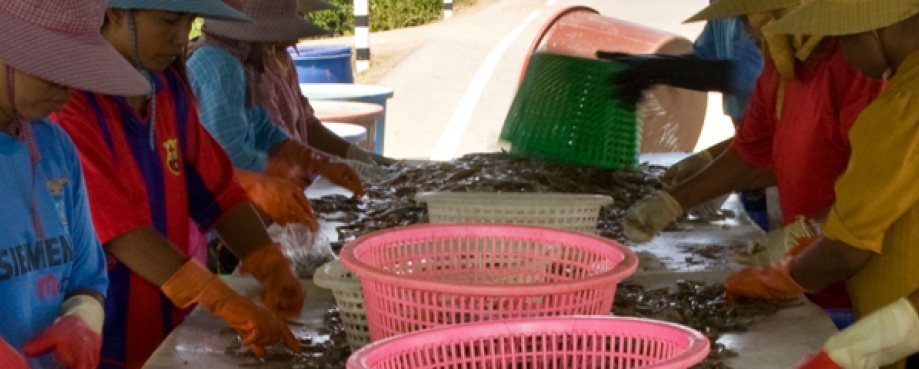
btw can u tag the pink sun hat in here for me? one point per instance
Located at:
(275, 21)
(60, 41)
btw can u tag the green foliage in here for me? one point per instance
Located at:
(384, 14)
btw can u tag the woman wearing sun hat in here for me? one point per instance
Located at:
(150, 167)
(794, 134)
(52, 298)
(872, 232)
(226, 70)
(292, 111)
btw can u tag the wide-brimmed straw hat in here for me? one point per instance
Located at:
(309, 6)
(733, 8)
(212, 9)
(59, 41)
(845, 17)
(275, 20)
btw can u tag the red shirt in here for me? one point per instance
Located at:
(185, 174)
(808, 147)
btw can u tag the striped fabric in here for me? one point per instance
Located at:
(219, 82)
(726, 39)
(130, 186)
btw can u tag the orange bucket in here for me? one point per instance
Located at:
(673, 117)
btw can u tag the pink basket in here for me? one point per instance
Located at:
(543, 343)
(426, 276)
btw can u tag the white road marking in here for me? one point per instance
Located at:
(453, 133)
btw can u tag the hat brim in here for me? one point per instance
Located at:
(734, 8)
(277, 30)
(309, 6)
(209, 9)
(832, 18)
(82, 62)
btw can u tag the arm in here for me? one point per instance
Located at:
(323, 139)
(242, 231)
(876, 190)
(728, 173)
(218, 80)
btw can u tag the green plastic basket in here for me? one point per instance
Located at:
(564, 111)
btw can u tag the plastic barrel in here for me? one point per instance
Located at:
(673, 117)
(352, 133)
(352, 92)
(323, 63)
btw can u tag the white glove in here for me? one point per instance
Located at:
(650, 216)
(881, 338)
(774, 246)
(367, 171)
(87, 308)
(358, 154)
(686, 168)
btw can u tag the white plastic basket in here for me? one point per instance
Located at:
(346, 288)
(572, 212)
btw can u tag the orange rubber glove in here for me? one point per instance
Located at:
(818, 361)
(801, 244)
(284, 295)
(768, 283)
(10, 358)
(71, 341)
(258, 327)
(280, 200)
(298, 163)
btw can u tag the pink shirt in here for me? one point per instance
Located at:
(288, 108)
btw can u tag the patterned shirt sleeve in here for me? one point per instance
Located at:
(219, 82)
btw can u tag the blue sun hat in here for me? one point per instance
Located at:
(209, 9)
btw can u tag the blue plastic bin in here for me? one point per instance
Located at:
(323, 63)
(352, 92)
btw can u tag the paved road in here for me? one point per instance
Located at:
(453, 92)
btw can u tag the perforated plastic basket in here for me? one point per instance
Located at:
(346, 288)
(540, 343)
(565, 111)
(573, 212)
(424, 276)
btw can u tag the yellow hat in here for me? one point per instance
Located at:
(732, 8)
(844, 17)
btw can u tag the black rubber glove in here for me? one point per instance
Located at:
(682, 71)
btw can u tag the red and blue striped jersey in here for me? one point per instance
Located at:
(135, 181)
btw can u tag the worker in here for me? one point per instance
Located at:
(872, 229)
(724, 58)
(150, 168)
(226, 70)
(52, 268)
(292, 111)
(794, 134)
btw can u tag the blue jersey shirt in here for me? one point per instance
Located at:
(726, 39)
(37, 274)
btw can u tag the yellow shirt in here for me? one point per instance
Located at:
(877, 198)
